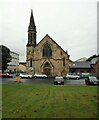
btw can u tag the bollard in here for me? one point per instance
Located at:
(18, 79)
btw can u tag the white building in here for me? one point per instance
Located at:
(14, 64)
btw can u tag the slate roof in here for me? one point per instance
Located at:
(79, 65)
(94, 60)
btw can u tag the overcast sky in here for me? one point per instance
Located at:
(70, 23)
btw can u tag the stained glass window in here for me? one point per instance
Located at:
(47, 52)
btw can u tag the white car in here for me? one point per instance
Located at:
(40, 75)
(72, 76)
(25, 75)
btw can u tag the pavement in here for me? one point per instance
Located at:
(49, 81)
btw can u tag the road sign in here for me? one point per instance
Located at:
(30, 68)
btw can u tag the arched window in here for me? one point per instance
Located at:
(47, 52)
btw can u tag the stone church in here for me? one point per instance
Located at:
(45, 57)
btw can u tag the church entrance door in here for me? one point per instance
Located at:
(47, 69)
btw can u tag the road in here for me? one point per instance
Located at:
(42, 81)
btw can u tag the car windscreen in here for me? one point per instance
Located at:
(59, 79)
(93, 78)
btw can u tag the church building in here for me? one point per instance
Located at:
(47, 56)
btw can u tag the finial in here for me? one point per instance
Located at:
(31, 10)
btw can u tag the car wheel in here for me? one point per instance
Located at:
(92, 83)
(62, 83)
(54, 83)
(89, 83)
(86, 82)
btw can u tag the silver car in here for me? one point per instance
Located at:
(72, 76)
(91, 80)
(40, 75)
(25, 75)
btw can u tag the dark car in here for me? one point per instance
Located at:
(59, 81)
(91, 80)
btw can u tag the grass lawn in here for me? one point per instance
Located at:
(48, 101)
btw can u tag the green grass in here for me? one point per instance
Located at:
(49, 101)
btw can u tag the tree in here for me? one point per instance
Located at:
(91, 57)
(5, 57)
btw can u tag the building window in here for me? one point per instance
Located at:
(31, 62)
(31, 38)
(63, 61)
(47, 52)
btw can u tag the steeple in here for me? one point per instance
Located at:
(32, 23)
(31, 32)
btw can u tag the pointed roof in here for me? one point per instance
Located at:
(54, 42)
(32, 23)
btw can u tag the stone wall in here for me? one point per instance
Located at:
(56, 61)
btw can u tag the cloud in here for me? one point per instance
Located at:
(72, 24)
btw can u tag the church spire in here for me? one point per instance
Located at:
(31, 32)
(32, 23)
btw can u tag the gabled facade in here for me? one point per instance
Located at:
(45, 57)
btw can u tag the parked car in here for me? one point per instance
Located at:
(40, 75)
(59, 80)
(85, 75)
(6, 75)
(17, 74)
(91, 80)
(72, 76)
(25, 75)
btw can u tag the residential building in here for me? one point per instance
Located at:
(95, 65)
(80, 67)
(13, 66)
(22, 67)
(91, 67)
